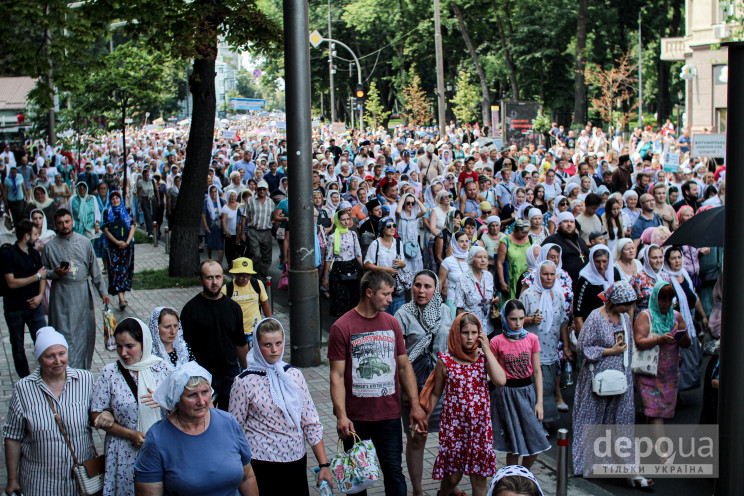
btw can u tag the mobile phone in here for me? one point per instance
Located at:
(64, 265)
(679, 335)
(620, 337)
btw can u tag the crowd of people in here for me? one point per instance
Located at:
(463, 279)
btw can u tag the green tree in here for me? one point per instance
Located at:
(191, 30)
(467, 99)
(132, 79)
(375, 111)
(52, 43)
(417, 108)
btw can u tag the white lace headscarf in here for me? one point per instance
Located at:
(158, 348)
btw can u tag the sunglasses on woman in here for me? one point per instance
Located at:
(409, 204)
(390, 226)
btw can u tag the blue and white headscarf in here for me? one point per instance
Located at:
(513, 471)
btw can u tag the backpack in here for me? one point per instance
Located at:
(230, 288)
(6, 250)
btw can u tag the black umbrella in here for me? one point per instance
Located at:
(703, 229)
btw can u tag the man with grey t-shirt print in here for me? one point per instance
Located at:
(369, 365)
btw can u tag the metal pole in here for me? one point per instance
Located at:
(304, 311)
(640, 74)
(51, 135)
(269, 293)
(330, 65)
(730, 399)
(561, 483)
(156, 230)
(167, 240)
(124, 185)
(440, 68)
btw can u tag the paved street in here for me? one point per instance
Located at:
(142, 303)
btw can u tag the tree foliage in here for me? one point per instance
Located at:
(417, 108)
(466, 99)
(615, 85)
(133, 78)
(375, 111)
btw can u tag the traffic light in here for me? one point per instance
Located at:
(360, 92)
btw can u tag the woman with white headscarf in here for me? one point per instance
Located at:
(37, 457)
(545, 316)
(560, 205)
(624, 254)
(409, 211)
(167, 337)
(333, 200)
(195, 439)
(689, 306)
(643, 282)
(630, 212)
(272, 403)
(124, 388)
(538, 232)
(425, 321)
(45, 234)
(212, 222)
(454, 267)
(476, 292)
(598, 275)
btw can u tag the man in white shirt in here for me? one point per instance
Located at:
(406, 166)
(7, 157)
(589, 221)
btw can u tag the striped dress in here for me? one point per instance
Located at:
(45, 468)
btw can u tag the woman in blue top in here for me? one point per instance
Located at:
(196, 450)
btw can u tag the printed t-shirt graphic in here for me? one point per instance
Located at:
(373, 362)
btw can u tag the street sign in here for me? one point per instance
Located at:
(247, 104)
(316, 38)
(708, 145)
(257, 73)
(671, 162)
(128, 121)
(338, 127)
(228, 135)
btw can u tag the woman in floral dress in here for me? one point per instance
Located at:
(116, 392)
(601, 350)
(465, 432)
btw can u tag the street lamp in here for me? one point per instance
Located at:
(448, 86)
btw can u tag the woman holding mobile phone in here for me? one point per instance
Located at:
(660, 325)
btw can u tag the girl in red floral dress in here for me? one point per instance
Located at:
(465, 434)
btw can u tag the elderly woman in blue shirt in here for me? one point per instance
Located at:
(197, 450)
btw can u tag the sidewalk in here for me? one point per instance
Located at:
(143, 302)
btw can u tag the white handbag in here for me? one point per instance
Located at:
(610, 382)
(646, 362)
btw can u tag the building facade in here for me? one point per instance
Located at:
(706, 63)
(13, 101)
(227, 67)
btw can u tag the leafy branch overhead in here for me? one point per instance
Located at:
(189, 29)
